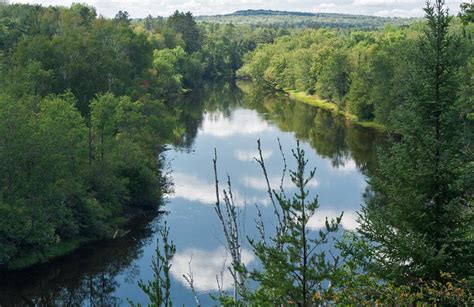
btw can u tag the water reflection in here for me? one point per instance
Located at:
(249, 155)
(193, 189)
(206, 266)
(199, 190)
(87, 277)
(257, 183)
(233, 129)
(230, 119)
(331, 136)
(248, 123)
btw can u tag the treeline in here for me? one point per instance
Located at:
(217, 49)
(86, 105)
(365, 73)
(301, 20)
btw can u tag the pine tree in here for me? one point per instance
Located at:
(418, 218)
(297, 265)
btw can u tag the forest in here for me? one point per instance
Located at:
(361, 73)
(299, 20)
(89, 106)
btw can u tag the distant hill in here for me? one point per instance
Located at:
(269, 12)
(286, 19)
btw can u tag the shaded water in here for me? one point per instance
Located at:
(231, 120)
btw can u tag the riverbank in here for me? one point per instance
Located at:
(333, 108)
(56, 251)
(121, 225)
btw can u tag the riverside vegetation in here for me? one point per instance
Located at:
(88, 103)
(363, 74)
(414, 244)
(86, 106)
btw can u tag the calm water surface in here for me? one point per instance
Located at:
(231, 120)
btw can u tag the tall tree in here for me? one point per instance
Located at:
(123, 16)
(295, 266)
(418, 219)
(467, 12)
(185, 24)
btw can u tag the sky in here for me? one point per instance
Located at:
(143, 8)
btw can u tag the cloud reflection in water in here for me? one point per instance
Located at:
(194, 189)
(242, 122)
(258, 183)
(206, 265)
(249, 155)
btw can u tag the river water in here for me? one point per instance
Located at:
(229, 119)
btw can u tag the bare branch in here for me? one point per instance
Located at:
(190, 280)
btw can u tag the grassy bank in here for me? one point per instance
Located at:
(333, 108)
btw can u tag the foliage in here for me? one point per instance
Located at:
(467, 12)
(185, 24)
(63, 180)
(284, 19)
(86, 106)
(158, 289)
(419, 215)
(363, 73)
(212, 50)
(344, 279)
(294, 267)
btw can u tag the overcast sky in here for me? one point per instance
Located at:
(142, 8)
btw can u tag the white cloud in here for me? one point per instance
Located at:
(349, 166)
(259, 183)
(142, 8)
(248, 122)
(384, 2)
(400, 13)
(349, 219)
(196, 189)
(205, 266)
(247, 156)
(324, 6)
(193, 189)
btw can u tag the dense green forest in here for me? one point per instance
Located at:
(363, 73)
(285, 19)
(87, 104)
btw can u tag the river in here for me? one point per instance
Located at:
(229, 119)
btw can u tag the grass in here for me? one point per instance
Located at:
(333, 108)
(371, 125)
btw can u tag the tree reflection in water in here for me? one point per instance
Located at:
(331, 136)
(86, 277)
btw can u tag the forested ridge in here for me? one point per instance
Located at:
(301, 20)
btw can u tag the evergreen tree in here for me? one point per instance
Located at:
(467, 12)
(185, 24)
(418, 219)
(297, 264)
(158, 289)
